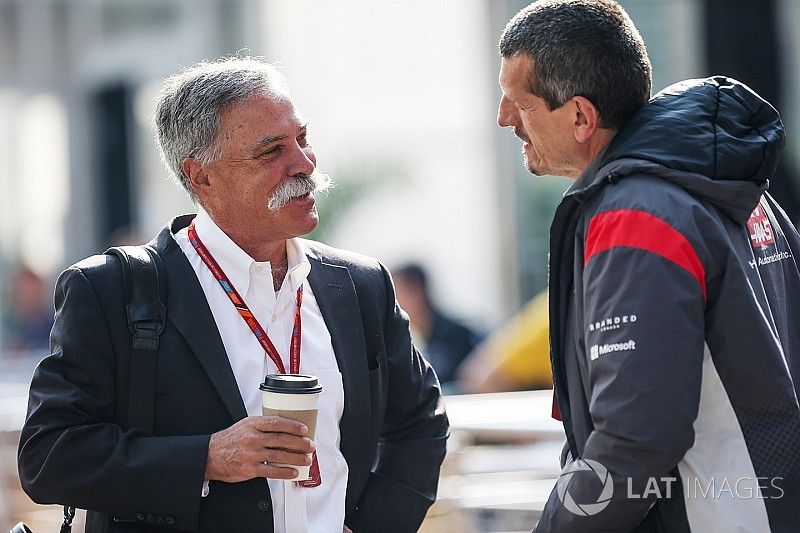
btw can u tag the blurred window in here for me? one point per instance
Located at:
(9, 35)
(119, 18)
(42, 181)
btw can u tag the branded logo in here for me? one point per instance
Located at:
(585, 467)
(760, 228)
(598, 350)
(762, 236)
(773, 258)
(614, 322)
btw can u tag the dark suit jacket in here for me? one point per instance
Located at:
(75, 448)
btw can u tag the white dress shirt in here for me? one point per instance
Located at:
(295, 509)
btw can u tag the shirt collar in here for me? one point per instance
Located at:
(236, 263)
(299, 265)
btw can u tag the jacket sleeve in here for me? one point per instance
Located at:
(643, 293)
(72, 452)
(403, 483)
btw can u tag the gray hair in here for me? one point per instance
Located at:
(588, 48)
(187, 117)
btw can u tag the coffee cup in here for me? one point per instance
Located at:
(293, 396)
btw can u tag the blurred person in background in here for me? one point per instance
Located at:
(514, 357)
(674, 284)
(29, 315)
(443, 340)
(230, 134)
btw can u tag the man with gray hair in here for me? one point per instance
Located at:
(674, 282)
(245, 297)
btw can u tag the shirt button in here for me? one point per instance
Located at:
(159, 519)
(264, 506)
(148, 517)
(139, 516)
(170, 519)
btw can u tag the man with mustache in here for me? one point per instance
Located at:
(674, 285)
(229, 132)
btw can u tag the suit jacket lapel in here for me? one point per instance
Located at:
(336, 295)
(188, 310)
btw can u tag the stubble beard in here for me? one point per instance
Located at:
(528, 165)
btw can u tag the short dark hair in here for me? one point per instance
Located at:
(414, 273)
(416, 277)
(586, 48)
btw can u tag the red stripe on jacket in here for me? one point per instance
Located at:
(555, 411)
(631, 228)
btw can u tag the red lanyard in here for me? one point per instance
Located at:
(261, 335)
(247, 315)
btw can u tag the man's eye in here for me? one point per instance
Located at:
(302, 139)
(272, 151)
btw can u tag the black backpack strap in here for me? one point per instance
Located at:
(69, 516)
(145, 292)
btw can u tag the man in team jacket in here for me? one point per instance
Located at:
(231, 135)
(674, 285)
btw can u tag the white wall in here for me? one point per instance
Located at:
(409, 84)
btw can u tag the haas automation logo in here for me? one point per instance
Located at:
(760, 229)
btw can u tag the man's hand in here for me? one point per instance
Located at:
(245, 450)
(346, 529)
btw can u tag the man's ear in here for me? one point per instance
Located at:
(587, 119)
(196, 172)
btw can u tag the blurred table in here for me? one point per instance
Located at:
(505, 416)
(501, 464)
(13, 404)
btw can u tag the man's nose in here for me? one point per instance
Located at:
(304, 161)
(505, 113)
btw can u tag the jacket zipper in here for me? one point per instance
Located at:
(556, 317)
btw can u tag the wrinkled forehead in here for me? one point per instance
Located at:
(259, 117)
(515, 73)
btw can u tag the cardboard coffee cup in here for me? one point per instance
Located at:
(293, 396)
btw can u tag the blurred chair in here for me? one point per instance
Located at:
(514, 357)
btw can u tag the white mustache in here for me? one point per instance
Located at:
(298, 186)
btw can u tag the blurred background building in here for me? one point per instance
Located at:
(401, 97)
(402, 100)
